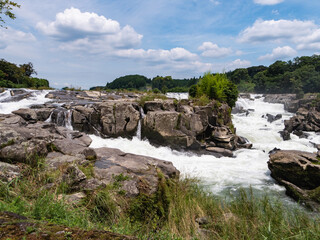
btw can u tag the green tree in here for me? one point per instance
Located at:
(6, 8)
(28, 69)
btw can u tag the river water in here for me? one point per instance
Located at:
(223, 176)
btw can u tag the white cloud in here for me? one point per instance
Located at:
(213, 50)
(279, 53)
(272, 30)
(268, 2)
(160, 55)
(88, 31)
(238, 63)
(10, 36)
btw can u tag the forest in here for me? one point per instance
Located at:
(300, 75)
(13, 76)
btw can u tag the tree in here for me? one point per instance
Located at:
(28, 69)
(6, 8)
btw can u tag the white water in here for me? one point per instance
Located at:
(38, 97)
(221, 175)
(179, 96)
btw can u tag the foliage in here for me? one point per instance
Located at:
(12, 76)
(167, 84)
(302, 75)
(128, 82)
(150, 97)
(6, 8)
(216, 87)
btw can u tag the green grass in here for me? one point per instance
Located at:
(150, 97)
(169, 213)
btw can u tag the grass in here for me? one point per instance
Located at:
(169, 213)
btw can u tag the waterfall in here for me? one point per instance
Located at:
(138, 133)
(68, 119)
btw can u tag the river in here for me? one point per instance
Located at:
(222, 176)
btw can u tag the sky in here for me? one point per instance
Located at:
(85, 43)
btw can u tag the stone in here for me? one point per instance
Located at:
(72, 176)
(27, 114)
(202, 221)
(75, 198)
(224, 152)
(56, 160)
(8, 172)
(139, 173)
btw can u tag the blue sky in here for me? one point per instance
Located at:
(84, 43)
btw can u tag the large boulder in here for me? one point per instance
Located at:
(299, 172)
(135, 174)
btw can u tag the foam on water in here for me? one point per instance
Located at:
(38, 97)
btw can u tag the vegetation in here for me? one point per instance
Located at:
(170, 213)
(215, 86)
(129, 82)
(167, 84)
(12, 76)
(300, 75)
(6, 8)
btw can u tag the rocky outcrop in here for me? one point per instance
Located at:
(67, 151)
(190, 127)
(305, 120)
(299, 172)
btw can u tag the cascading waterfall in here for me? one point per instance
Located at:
(138, 133)
(68, 119)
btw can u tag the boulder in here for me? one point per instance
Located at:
(136, 174)
(299, 172)
(27, 114)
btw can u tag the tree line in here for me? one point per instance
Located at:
(300, 75)
(13, 76)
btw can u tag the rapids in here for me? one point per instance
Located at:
(221, 175)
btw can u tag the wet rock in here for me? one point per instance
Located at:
(271, 118)
(224, 152)
(285, 135)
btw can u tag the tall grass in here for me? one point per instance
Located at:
(170, 213)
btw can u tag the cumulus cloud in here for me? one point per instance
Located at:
(210, 49)
(160, 55)
(273, 30)
(268, 2)
(10, 36)
(76, 29)
(279, 53)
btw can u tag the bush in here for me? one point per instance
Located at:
(216, 87)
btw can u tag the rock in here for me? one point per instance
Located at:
(56, 160)
(118, 118)
(224, 152)
(299, 172)
(271, 118)
(8, 172)
(305, 120)
(91, 184)
(138, 174)
(75, 198)
(72, 176)
(202, 221)
(27, 114)
(285, 135)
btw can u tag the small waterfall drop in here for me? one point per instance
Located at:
(138, 133)
(68, 119)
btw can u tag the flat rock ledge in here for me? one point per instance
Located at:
(299, 172)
